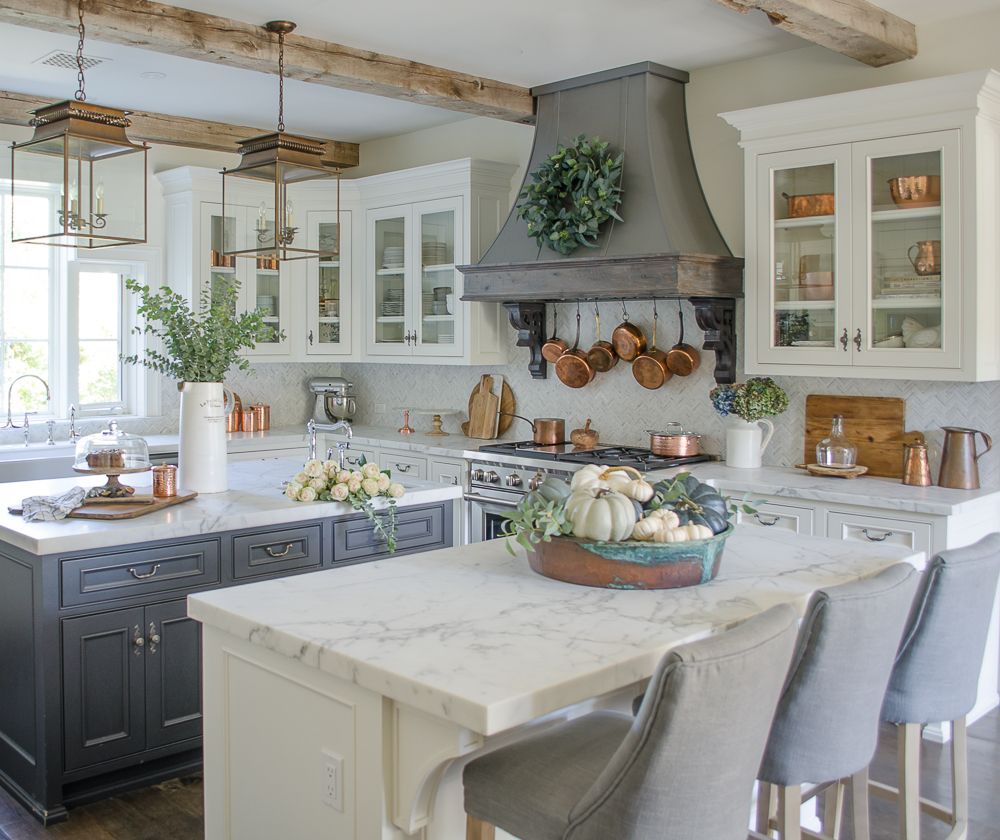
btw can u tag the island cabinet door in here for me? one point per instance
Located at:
(173, 674)
(103, 687)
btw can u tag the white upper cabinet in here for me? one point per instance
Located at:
(871, 232)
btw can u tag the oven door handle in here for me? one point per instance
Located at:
(485, 500)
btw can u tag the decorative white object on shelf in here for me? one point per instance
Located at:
(202, 462)
(745, 442)
(916, 334)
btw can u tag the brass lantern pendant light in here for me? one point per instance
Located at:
(79, 182)
(277, 164)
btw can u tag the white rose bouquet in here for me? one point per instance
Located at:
(326, 482)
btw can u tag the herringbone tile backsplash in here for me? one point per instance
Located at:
(620, 409)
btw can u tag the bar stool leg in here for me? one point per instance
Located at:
(859, 804)
(766, 801)
(833, 813)
(790, 812)
(908, 766)
(959, 779)
(477, 829)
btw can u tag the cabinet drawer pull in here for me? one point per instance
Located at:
(884, 536)
(354, 461)
(149, 574)
(774, 521)
(273, 553)
(403, 467)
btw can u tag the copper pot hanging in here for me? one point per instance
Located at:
(682, 359)
(602, 356)
(650, 369)
(572, 367)
(554, 347)
(628, 340)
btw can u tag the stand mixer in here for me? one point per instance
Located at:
(334, 399)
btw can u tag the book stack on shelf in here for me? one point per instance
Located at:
(911, 287)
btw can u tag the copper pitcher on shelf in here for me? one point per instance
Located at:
(928, 259)
(959, 467)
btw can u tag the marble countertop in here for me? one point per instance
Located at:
(864, 491)
(255, 499)
(472, 635)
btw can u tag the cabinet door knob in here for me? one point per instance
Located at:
(154, 637)
(844, 339)
(137, 641)
(310, 338)
(857, 340)
(884, 536)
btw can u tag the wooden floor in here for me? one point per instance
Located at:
(173, 810)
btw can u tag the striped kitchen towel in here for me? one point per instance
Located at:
(51, 508)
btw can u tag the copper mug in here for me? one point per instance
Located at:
(916, 470)
(928, 259)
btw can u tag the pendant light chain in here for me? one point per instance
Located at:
(281, 80)
(81, 95)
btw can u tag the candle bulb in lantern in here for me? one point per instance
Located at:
(99, 192)
(74, 196)
(263, 216)
(289, 217)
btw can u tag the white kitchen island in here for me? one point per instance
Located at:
(336, 704)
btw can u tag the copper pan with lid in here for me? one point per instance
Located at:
(650, 369)
(572, 367)
(674, 443)
(628, 340)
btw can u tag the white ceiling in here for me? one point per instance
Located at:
(525, 42)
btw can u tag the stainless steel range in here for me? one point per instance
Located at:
(505, 472)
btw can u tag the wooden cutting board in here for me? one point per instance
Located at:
(483, 417)
(876, 425)
(506, 409)
(121, 508)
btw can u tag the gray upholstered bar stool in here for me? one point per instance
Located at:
(682, 768)
(826, 725)
(936, 676)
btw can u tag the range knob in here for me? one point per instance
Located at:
(513, 480)
(537, 481)
(478, 475)
(492, 477)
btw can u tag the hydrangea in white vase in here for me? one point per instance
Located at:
(199, 349)
(747, 405)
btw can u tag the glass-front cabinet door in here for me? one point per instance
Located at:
(907, 294)
(439, 289)
(221, 234)
(390, 332)
(265, 286)
(328, 286)
(804, 256)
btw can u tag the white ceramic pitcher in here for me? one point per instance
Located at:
(201, 459)
(745, 442)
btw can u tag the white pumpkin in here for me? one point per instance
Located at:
(641, 491)
(600, 514)
(697, 532)
(670, 535)
(645, 528)
(669, 517)
(591, 476)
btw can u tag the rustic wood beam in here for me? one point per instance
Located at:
(159, 28)
(15, 109)
(854, 28)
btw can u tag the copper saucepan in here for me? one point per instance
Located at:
(628, 339)
(602, 355)
(650, 369)
(546, 431)
(673, 444)
(572, 367)
(554, 347)
(682, 359)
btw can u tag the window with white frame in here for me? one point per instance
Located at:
(67, 321)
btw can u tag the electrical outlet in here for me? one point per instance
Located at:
(380, 408)
(332, 780)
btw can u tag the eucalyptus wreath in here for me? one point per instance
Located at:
(574, 192)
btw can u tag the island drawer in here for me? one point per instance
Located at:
(111, 576)
(268, 552)
(421, 528)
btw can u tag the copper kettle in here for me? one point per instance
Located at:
(959, 467)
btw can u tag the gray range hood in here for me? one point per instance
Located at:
(668, 245)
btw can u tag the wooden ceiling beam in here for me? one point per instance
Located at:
(15, 109)
(171, 30)
(853, 28)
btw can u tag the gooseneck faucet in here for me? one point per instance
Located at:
(312, 426)
(10, 391)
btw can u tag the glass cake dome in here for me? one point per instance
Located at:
(112, 449)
